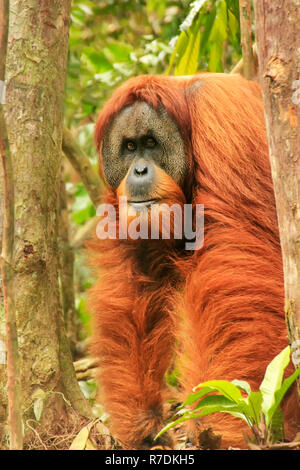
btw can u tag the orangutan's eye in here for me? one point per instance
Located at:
(130, 145)
(150, 142)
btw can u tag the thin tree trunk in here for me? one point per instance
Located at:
(3, 360)
(278, 44)
(246, 39)
(36, 69)
(66, 273)
(7, 261)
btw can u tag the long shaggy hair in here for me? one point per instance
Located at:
(219, 308)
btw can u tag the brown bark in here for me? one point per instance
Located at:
(36, 68)
(7, 266)
(246, 39)
(66, 272)
(278, 43)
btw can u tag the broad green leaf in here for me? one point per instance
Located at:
(216, 401)
(208, 22)
(272, 381)
(214, 409)
(228, 389)
(276, 431)
(233, 24)
(254, 400)
(209, 405)
(215, 57)
(180, 47)
(188, 64)
(243, 385)
(193, 397)
(233, 6)
(217, 37)
(279, 394)
(234, 30)
(222, 404)
(219, 29)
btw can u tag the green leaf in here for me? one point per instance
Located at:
(254, 402)
(233, 24)
(221, 404)
(215, 57)
(181, 44)
(96, 60)
(217, 37)
(193, 397)
(219, 30)
(272, 382)
(276, 431)
(188, 63)
(80, 216)
(228, 389)
(233, 6)
(243, 385)
(279, 394)
(217, 401)
(209, 405)
(208, 22)
(172, 424)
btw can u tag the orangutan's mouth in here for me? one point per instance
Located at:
(142, 204)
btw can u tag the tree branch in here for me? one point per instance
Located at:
(81, 163)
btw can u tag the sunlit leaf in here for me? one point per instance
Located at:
(180, 47)
(80, 441)
(193, 397)
(228, 389)
(272, 381)
(219, 30)
(242, 384)
(188, 64)
(279, 394)
(38, 406)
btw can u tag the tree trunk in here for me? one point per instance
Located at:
(278, 41)
(36, 68)
(66, 274)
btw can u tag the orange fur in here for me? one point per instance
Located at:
(223, 303)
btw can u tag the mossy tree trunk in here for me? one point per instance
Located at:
(278, 46)
(36, 69)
